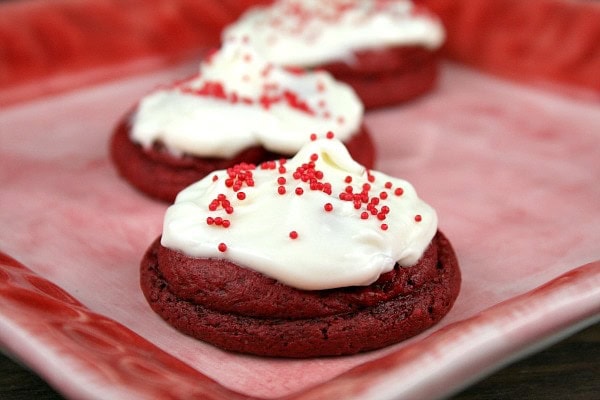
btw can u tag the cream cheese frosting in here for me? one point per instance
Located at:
(307, 33)
(239, 100)
(316, 221)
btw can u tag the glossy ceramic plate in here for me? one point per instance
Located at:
(512, 171)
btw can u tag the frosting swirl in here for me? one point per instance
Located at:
(239, 100)
(316, 221)
(307, 33)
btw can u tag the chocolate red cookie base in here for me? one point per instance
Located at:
(368, 328)
(161, 175)
(388, 76)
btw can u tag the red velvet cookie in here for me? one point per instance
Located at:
(162, 175)
(210, 299)
(387, 51)
(393, 75)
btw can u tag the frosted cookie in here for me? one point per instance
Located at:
(312, 256)
(387, 50)
(239, 108)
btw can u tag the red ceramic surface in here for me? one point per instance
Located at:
(512, 171)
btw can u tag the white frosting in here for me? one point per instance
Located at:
(311, 32)
(335, 248)
(188, 120)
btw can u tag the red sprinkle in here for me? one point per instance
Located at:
(281, 190)
(241, 195)
(214, 178)
(384, 227)
(329, 135)
(364, 215)
(418, 218)
(281, 180)
(388, 185)
(226, 223)
(210, 220)
(383, 195)
(222, 247)
(398, 191)
(328, 207)
(313, 137)
(294, 235)
(299, 191)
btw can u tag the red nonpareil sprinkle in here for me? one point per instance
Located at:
(294, 101)
(281, 180)
(348, 179)
(328, 207)
(213, 206)
(281, 190)
(314, 157)
(295, 70)
(329, 135)
(299, 191)
(229, 210)
(282, 169)
(385, 209)
(226, 223)
(381, 216)
(268, 165)
(364, 215)
(345, 196)
(383, 195)
(313, 137)
(222, 247)
(388, 185)
(418, 218)
(213, 89)
(366, 187)
(215, 178)
(294, 235)
(210, 220)
(384, 227)
(267, 70)
(218, 220)
(398, 191)
(241, 195)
